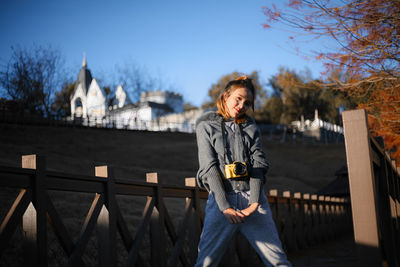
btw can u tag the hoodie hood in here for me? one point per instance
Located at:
(209, 116)
(215, 117)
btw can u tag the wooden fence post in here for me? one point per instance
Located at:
(157, 225)
(107, 220)
(336, 216)
(394, 194)
(396, 178)
(322, 218)
(300, 220)
(347, 214)
(34, 218)
(275, 210)
(329, 217)
(195, 221)
(343, 214)
(362, 189)
(315, 229)
(289, 224)
(307, 220)
(384, 185)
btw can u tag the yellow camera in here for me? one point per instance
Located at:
(236, 169)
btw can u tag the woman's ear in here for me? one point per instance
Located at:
(224, 96)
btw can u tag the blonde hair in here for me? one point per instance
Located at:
(241, 82)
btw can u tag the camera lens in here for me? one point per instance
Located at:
(240, 168)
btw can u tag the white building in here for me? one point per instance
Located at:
(156, 111)
(319, 129)
(121, 97)
(88, 99)
(146, 114)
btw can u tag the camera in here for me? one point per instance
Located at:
(236, 169)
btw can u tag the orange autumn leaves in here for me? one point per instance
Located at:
(367, 53)
(384, 118)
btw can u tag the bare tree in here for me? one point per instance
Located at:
(31, 77)
(136, 80)
(61, 105)
(189, 106)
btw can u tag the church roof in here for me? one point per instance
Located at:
(84, 77)
(157, 105)
(126, 107)
(96, 86)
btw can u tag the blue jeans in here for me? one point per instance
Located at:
(259, 229)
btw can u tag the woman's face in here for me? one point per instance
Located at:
(238, 102)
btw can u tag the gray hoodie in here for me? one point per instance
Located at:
(212, 161)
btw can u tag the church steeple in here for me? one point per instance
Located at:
(84, 60)
(84, 76)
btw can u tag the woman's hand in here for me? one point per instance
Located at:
(233, 216)
(250, 209)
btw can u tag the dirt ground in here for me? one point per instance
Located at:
(335, 253)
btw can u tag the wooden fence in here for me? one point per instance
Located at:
(374, 182)
(303, 220)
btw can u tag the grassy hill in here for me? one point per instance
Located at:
(296, 167)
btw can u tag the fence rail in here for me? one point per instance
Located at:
(302, 220)
(106, 122)
(374, 182)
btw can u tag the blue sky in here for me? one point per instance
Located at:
(188, 44)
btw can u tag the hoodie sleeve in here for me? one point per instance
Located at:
(209, 176)
(260, 166)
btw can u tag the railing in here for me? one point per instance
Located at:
(375, 194)
(302, 220)
(106, 122)
(305, 220)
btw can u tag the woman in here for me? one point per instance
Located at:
(232, 168)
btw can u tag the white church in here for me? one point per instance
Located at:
(156, 110)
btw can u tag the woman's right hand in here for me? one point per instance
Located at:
(234, 216)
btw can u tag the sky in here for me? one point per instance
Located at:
(187, 44)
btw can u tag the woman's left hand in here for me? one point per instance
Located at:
(250, 209)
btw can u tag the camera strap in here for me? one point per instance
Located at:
(244, 143)
(223, 130)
